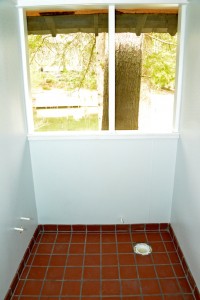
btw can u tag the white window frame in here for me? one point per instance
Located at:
(23, 5)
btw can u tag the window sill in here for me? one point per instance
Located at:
(122, 135)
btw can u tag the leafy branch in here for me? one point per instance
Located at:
(33, 54)
(89, 63)
(159, 40)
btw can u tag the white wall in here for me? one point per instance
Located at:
(186, 200)
(96, 181)
(99, 181)
(16, 183)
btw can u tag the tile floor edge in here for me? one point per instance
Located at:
(184, 264)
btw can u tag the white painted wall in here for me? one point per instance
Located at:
(186, 200)
(16, 183)
(99, 181)
(96, 181)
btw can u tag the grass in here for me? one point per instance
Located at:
(89, 122)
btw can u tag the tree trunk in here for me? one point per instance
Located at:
(127, 83)
(102, 70)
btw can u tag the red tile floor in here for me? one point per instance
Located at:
(102, 265)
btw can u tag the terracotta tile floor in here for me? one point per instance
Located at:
(94, 266)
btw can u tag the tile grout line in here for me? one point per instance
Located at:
(167, 252)
(171, 264)
(65, 267)
(157, 277)
(176, 246)
(118, 265)
(101, 267)
(138, 277)
(44, 279)
(83, 265)
(183, 261)
(25, 280)
(35, 253)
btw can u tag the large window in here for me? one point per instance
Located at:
(102, 70)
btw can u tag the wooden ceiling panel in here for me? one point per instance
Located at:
(68, 22)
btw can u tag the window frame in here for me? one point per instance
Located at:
(23, 5)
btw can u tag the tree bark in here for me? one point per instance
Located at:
(102, 70)
(127, 83)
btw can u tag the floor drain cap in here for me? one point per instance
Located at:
(142, 249)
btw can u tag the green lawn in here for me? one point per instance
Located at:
(89, 122)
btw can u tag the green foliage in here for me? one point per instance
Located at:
(65, 61)
(159, 59)
(73, 57)
(69, 62)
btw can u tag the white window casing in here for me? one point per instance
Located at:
(25, 68)
(92, 3)
(179, 67)
(38, 4)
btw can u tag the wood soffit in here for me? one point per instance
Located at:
(95, 21)
(99, 11)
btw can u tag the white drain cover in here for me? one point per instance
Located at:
(142, 249)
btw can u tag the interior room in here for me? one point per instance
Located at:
(90, 185)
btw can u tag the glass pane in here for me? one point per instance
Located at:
(68, 56)
(145, 70)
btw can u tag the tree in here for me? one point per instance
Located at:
(159, 56)
(47, 52)
(82, 60)
(128, 79)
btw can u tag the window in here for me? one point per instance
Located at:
(102, 69)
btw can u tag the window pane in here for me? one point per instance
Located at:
(145, 70)
(68, 55)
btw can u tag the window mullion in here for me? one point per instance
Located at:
(111, 70)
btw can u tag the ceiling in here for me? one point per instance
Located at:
(95, 21)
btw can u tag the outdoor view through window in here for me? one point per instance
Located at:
(68, 57)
